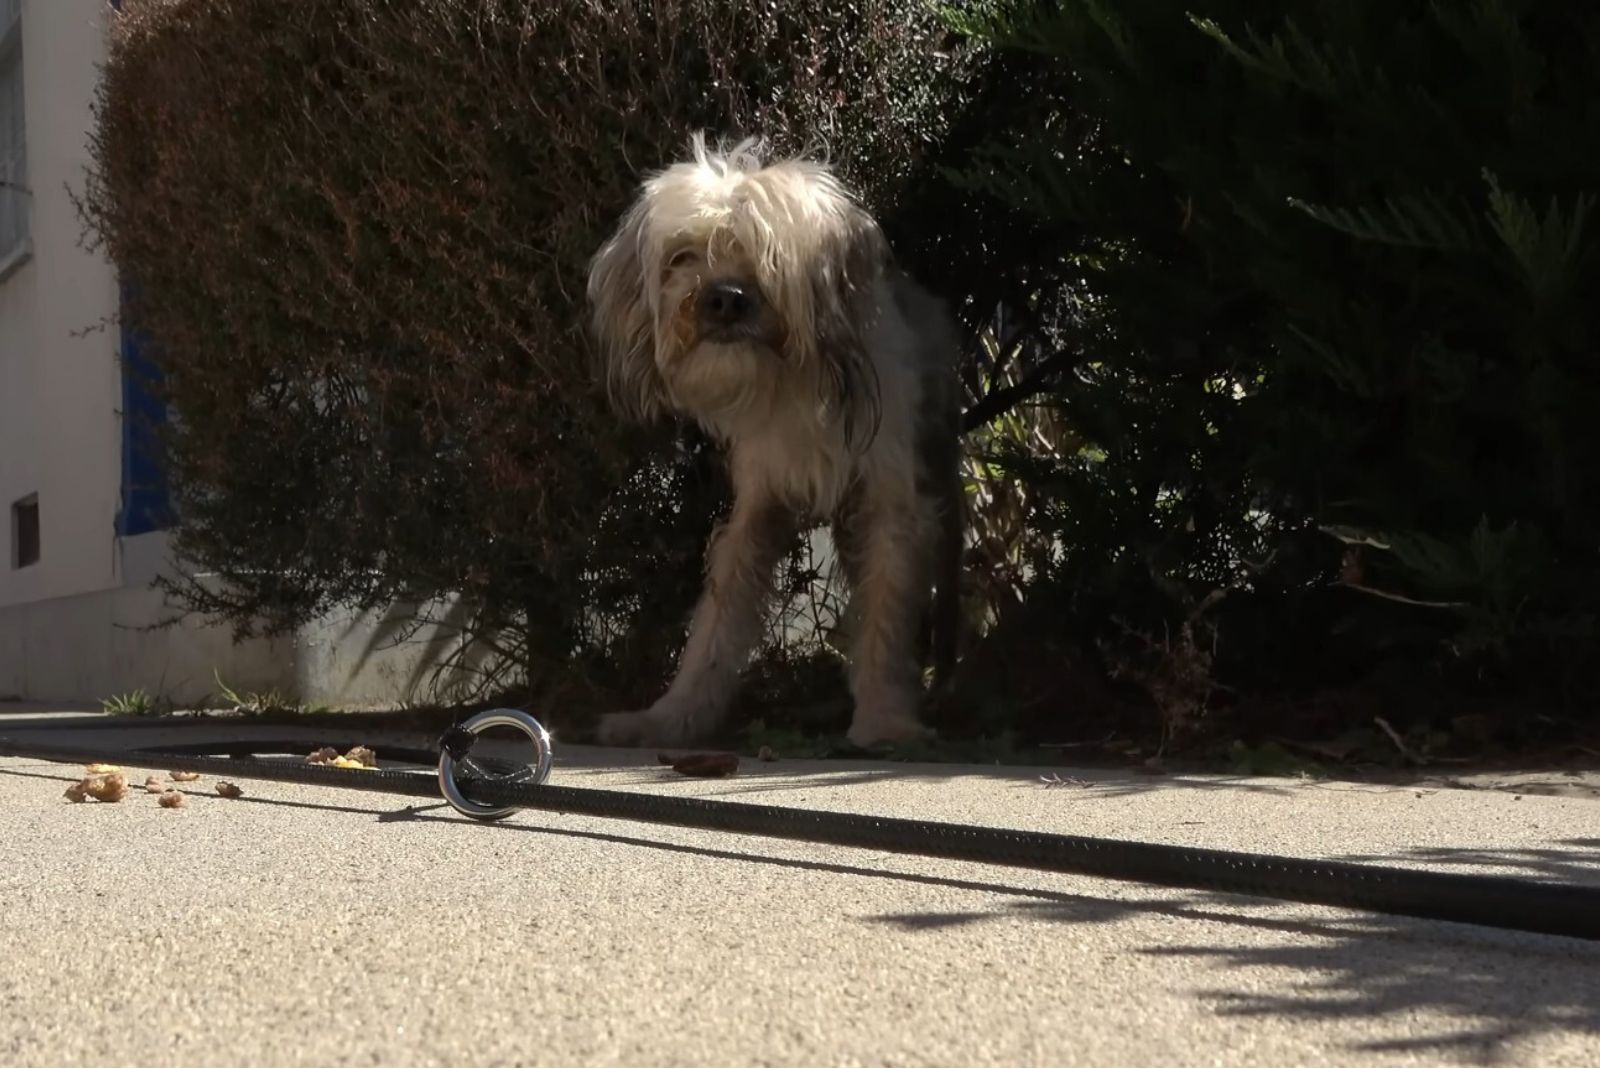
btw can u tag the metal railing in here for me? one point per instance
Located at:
(14, 191)
(13, 196)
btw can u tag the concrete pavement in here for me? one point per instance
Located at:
(303, 925)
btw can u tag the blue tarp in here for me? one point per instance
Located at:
(144, 505)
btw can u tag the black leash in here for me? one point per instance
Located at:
(1491, 901)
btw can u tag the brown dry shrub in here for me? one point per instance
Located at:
(357, 231)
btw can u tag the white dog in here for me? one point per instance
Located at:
(759, 299)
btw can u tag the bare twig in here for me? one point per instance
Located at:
(1052, 781)
(1399, 742)
(1400, 598)
(997, 402)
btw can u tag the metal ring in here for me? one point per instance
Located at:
(537, 772)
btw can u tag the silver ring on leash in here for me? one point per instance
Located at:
(537, 772)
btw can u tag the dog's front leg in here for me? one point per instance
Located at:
(884, 546)
(741, 558)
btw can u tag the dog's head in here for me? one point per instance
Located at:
(732, 282)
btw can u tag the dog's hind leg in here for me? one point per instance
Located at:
(942, 490)
(946, 617)
(725, 627)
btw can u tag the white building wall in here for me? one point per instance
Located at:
(58, 385)
(73, 626)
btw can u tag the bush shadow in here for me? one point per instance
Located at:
(1422, 987)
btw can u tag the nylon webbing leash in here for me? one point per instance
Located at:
(491, 789)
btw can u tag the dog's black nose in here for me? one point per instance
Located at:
(726, 303)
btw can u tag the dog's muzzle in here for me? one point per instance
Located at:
(736, 312)
(727, 305)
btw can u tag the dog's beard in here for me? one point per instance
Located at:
(721, 379)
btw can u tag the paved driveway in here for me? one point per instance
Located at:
(303, 925)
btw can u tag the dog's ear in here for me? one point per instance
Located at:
(623, 319)
(845, 284)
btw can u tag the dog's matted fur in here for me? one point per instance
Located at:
(760, 299)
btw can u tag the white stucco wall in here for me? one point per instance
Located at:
(75, 626)
(85, 647)
(59, 387)
(71, 625)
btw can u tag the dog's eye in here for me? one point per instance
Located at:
(683, 257)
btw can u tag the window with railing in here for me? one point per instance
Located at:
(15, 199)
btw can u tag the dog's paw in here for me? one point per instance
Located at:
(881, 733)
(619, 728)
(667, 723)
(887, 721)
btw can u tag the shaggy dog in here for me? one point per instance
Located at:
(759, 299)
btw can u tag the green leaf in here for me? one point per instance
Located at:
(1409, 221)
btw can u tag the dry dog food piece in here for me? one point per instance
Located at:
(326, 755)
(109, 788)
(184, 776)
(702, 765)
(363, 756)
(228, 789)
(154, 785)
(102, 769)
(76, 793)
(172, 799)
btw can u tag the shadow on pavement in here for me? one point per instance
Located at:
(1500, 988)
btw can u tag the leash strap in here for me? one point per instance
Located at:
(488, 790)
